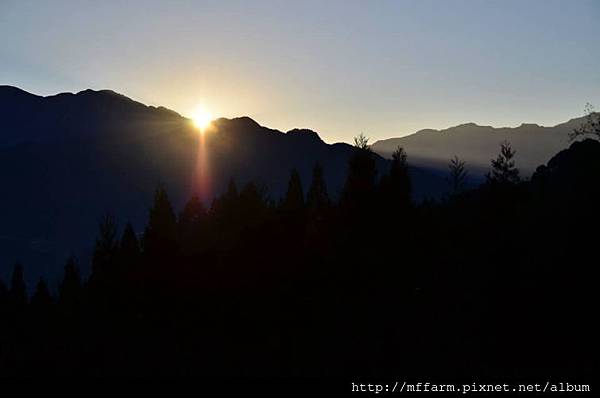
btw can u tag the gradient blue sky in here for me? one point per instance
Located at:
(385, 68)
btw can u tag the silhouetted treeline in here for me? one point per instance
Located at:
(497, 281)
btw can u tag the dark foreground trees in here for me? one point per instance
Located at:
(495, 282)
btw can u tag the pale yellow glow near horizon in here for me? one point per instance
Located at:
(201, 117)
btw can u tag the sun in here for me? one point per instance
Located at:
(201, 118)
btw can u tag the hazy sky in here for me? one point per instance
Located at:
(385, 68)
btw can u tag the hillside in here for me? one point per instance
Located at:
(67, 159)
(475, 144)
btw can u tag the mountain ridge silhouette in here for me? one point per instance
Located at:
(67, 159)
(477, 144)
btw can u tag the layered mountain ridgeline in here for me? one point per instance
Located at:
(69, 158)
(476, 145)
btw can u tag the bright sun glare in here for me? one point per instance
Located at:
(201, 118)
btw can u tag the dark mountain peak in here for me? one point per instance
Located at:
(101, 93)
(107, 96)
(244, 127)
(112, 101)
(29, 118)
(306, 134)
(6, 90)
(243, 122)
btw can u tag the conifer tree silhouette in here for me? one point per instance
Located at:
(458, 175)
(129, 251)
(18, 290)
(41, 299)
(70, 289)
(504, 170)
(252, 204)
(396, 186)
(360, 182)
(105, 250)
(317, 197)
(191, 226)
(226, 205)
(160, 237)
(3, 299)
(231, 195)
(293, 202)
(193, 212)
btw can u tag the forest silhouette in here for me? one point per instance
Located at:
(493, 281)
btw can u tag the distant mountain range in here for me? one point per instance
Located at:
(477, 145)
(69, 158)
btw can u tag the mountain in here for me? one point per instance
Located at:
(477, 145)
(67, 159)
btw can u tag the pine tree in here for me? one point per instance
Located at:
(129, 250)
(252, 204)
(104, 258)
(232, 191)
(18, 290)
(458, 175)
(191, 224)
(396, 186)
(193, 211)
(317, 197)
(360, 183)
(70, 290)
(161, 233)
(3, 297)
(293, 202)
(41, 300)
(503, 167)
(225, 212)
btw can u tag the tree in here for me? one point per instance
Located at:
(3, 296)
(103, 260)
(293, 202)
(69, 293)
(458, 175)
(362, 142)
(317, 197)
(591, 126)
(129, 250)
(161, 232)
(227, 200)
(503, 167)
(4, 301)
(191, 225)
(232, 191)
(193, 212)
(252, 204)
(360, 183)
(396, 186)
(18, 290)
(41, 299)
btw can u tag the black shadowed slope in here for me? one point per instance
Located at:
(495, 283)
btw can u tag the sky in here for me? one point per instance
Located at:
(382, 68)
